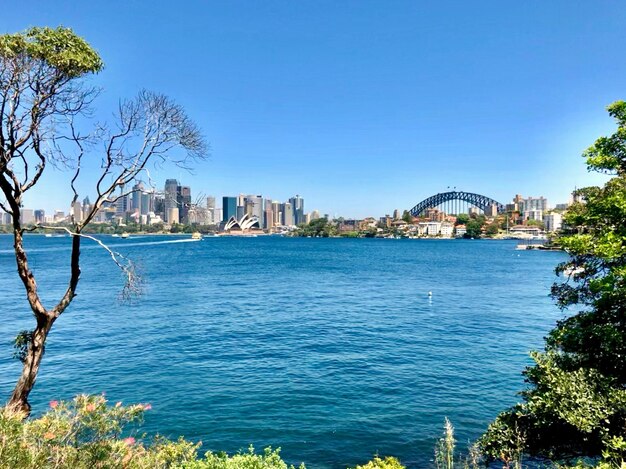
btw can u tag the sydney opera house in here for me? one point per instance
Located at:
(247, 225)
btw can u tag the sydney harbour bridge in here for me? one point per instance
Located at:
(456, 202)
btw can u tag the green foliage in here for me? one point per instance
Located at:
(270, 459)
(462, 219)
(59, 48)
(576, 403)
(319, 228)
(406, 216)
(378, 463)
(87, 433)
(21, 343)
(474, 228)
(492, 229)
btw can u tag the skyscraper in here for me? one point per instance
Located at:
(277, 213)
(210, 207)
(136, 198)
(171, 192)
(297, 205)
(40, 216)
(229, 207)
(254, 207)
(184, 202)
(288, 219)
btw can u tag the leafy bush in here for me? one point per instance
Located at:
(88, 433)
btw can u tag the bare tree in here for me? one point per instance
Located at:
(42, 98)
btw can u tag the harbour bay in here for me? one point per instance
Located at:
(329, 348)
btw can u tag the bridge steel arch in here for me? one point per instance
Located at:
(477, 200)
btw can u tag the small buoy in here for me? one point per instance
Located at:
(430, 293)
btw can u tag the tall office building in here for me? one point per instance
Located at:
(40, 216)
(288, 219)
(27, 216)
(210, 207)
(277, 213)
(170, 197)
(229, 207)
(184, 202)
(136, 198)
(86, 207)
(268, 215)
(121, 204)
(297, 205)
(147, 202)
(77, 212)
(254, 207)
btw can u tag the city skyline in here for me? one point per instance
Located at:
(361, 101)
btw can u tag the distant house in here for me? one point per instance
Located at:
(460, 231)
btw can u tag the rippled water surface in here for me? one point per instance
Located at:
(328, 348)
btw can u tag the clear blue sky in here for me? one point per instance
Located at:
(359, 106)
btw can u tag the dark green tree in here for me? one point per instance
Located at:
(462, 219)
(575, 405)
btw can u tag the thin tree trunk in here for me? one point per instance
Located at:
(34, 354)
(45, 320)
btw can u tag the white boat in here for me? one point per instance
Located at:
(48, 235)
(196, 236)
(124, 235)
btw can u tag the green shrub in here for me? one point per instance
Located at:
(378, 463)
(88, 433)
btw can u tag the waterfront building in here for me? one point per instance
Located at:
(553, 221)
(396, 214)
(229, 208)
(460, 231)
(315, 214)
(446, 229)
(526, 231)
(433, 228)
(6, 218)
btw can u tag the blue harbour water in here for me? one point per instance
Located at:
(329, 348)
